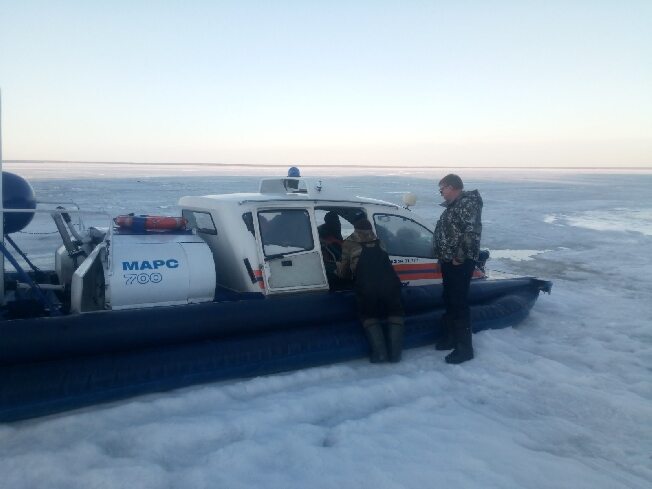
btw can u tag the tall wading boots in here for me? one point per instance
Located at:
(376, 338)
(463, 343)
(395, 332)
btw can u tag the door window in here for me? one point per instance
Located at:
(403, 237)
(285, 231)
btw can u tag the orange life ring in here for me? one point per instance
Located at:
(151, 223)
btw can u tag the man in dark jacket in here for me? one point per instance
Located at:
(377, 290)
(457, 246)
(330, 235)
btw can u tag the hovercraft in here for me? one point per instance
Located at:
(239, 285)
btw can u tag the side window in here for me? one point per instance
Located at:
(248, 219)
(403, 237)
(201, 221)
(285, 231)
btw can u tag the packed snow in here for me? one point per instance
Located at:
(562, 400)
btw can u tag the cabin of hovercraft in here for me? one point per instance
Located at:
(269, 241)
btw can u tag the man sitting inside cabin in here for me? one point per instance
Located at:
(377, 290)
(330, 236)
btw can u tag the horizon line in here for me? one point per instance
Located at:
(333, 165)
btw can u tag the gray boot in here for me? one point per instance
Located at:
(376, 338)
(463, 343)
(395, 331)
(446, 339)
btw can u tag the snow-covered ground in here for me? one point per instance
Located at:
(562, 401)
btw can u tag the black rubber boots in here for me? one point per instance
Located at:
(385, 345)
(446, 339)
(395, 332)
(376, 338)
(463, 343)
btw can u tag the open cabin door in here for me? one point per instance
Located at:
(291, 255)
(410, 248)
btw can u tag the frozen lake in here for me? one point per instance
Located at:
(564, 400)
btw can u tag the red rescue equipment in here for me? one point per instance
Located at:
(151, 223)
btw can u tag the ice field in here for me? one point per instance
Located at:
(563, 400)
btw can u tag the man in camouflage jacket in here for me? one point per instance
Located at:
(377, 291)
(457, 246)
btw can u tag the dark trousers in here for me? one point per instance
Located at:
(378, 301)
(456, 280)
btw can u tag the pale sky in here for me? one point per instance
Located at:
(444, 83)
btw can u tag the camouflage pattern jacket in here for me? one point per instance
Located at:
(457, 235)
(351, 251)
